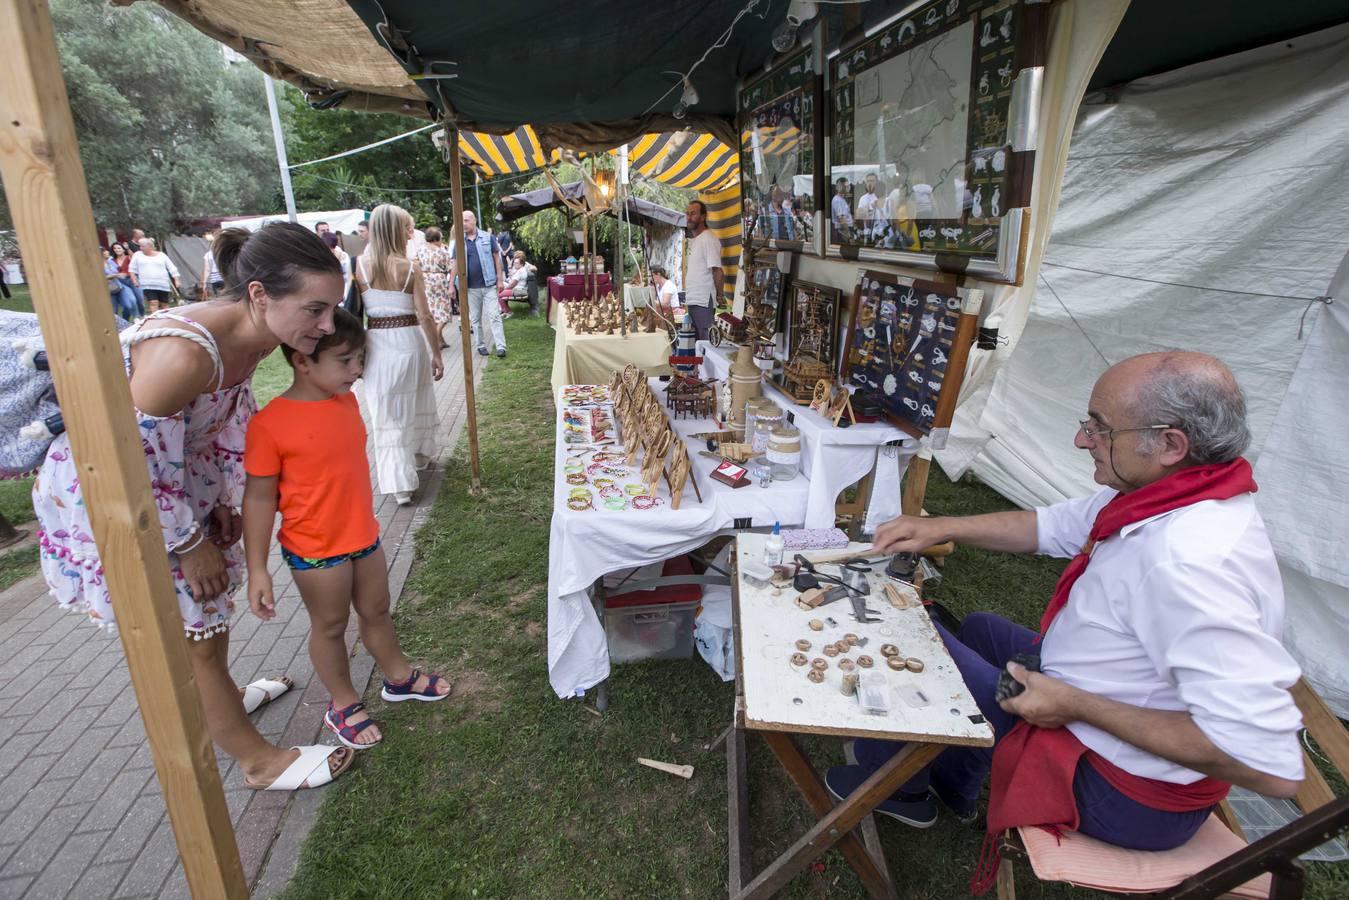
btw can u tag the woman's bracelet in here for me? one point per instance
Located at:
(192, 543)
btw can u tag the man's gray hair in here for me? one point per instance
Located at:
(1202, 400)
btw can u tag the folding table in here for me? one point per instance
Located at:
(929, 710)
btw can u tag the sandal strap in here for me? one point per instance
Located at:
(403, 685)
(349, 711)
(431, 681)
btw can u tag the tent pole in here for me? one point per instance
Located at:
(461, 276)
(280, 146)
(45, 186)
(618, 270)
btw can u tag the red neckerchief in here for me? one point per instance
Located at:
(1033, 768)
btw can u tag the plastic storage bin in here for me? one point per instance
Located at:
(655, 624)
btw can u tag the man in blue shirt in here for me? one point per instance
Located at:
(484, 274)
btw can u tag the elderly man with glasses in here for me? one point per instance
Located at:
(1157, 677)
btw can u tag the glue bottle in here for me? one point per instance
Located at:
(772, 548)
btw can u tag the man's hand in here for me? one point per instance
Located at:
(260, 598)
(908, 534)
(1046, 702)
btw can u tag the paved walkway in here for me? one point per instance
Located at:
(81, 814)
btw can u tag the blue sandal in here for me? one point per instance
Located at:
(336, 720)
(398, 691)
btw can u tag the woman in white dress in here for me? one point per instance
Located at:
(402, 354)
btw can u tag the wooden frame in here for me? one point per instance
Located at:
(915, 341)
(780, 123)
(970, 217)
(45, 186)
(833, 297)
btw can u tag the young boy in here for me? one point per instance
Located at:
(305, 454)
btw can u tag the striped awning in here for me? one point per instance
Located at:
(773, 141)
(723, 220)
(684, 159)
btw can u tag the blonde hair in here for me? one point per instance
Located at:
(388, 242)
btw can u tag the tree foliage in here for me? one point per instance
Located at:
(169, 128)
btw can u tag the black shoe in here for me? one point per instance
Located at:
(919, 812)
(482, 351)
(965, 810)
(501, 353)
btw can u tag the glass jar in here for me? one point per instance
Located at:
(766, 418)
(784, 452)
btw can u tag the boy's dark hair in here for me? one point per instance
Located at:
(348, 333)
(659, 270)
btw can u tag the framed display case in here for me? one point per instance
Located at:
(812, 322)
(932, 136)
(779, 121)
(906, 349)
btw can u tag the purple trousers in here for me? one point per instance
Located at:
(981, 648)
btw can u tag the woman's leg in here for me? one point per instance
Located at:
(227, 722)
(327, 594)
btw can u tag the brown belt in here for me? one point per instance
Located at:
(407, 321)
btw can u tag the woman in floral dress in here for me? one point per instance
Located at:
(437, 262)
(190, 383)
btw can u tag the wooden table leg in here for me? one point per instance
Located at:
(737, 807)
(870, 836)
(836, 826)
(601, 689)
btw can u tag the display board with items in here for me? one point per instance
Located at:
(933, 135)
(907, 347)
(812, 313)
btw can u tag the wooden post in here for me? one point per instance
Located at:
(45, 186)
(461, 276)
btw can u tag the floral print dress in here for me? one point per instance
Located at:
(437, 264)
(195, 460)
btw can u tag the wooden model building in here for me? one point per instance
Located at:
(809, 351)
(686, 395)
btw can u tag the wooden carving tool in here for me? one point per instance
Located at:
(901, 599)
(669, 768)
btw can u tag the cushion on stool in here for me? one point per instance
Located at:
(1087, 862)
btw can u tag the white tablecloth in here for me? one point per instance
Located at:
(586, 545)
(834, 458)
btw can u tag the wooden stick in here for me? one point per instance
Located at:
(461, 276)
(45, 186)
(669, 768)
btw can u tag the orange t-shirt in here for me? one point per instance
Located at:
(318, 450)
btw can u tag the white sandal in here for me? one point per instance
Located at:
(312, 766)
(264, 690)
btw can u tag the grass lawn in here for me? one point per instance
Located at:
(505, 791)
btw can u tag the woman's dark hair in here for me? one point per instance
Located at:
(114, 245)
(659, 270)
(330, 239)
(276, 256)
(348, 333)
(433, 235)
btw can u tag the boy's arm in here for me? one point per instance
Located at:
(259, 515)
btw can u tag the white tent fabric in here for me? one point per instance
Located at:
(1199, 209)
(343, 220)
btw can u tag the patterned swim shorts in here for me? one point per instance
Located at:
(302, 563)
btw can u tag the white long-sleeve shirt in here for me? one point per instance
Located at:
(154, 273)
(1182, 611)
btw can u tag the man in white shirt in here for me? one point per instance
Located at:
(841, 212)
(1162, 673)
(868, 206)
(704, 281)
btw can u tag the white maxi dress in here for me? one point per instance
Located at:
(398, 392)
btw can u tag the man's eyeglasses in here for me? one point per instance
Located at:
(1092, 434)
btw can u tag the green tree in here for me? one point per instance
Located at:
(169, 128)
